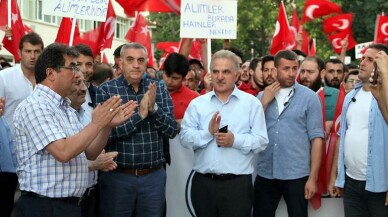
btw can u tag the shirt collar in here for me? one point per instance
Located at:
(52, 95)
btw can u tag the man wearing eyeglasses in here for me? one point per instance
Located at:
(51, 148)
(16, 83)
(290, 164)
(350, 80)
(137, 186)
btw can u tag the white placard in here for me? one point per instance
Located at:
(208, 19)
(360, 47)
(80, 9)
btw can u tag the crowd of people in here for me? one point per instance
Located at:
(84, 138)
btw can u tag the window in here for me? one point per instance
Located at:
(122, 27)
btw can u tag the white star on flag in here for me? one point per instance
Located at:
(14, 18)
(144, 30)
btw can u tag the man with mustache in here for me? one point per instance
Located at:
(103, 162)
(137, 186)
(222, 183)
(269, 70)
(335, 72)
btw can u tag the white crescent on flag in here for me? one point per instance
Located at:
(277, 29)
(293, 29)
(335, 43)
(384, 28)
(310, 11)
(343, 25)
(110, 23)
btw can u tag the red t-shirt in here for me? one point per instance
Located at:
(181, 100)
(248, 88)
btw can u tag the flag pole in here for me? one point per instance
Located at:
(9, 16)
(209, 53)
(72, 31)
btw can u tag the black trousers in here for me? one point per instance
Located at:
(361, 203)
(31, 206)
(8, 183)
(268, 193)
(222, 197)
(90, 202)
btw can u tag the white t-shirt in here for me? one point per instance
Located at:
(283, 97)
(356, 137)
(14, 87)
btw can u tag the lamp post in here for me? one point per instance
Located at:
(252, 49)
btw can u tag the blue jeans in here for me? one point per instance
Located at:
(361, 203)
(130, 195)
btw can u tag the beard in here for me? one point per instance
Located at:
(315, 85)
(328, 83)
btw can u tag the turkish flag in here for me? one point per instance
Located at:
(335, 41)
(338, 23)
(139, 33)
(174, 5)
(381, 29)
(318, 8)
(283, 37)
(17, 29)
(334, 130)
(195, 49)
(107, 28)
(27, 29)
(295, 28)
(63, 35)
(168, 47)
(131, 6)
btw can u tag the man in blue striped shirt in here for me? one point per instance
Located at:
(138, 184)
(51, 148)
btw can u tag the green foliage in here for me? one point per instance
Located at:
(256, 24)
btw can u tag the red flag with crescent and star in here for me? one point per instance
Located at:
(318, 8)
(139, 33)
(338, 23)
(17, 28)
(335, 41)
(283, 37)
(381, 29)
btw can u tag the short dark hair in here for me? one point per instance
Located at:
(84, 49)
(351, 72)
(32, 38)
(101, 71)
(379, 47)
(176, 63)
(317, 60)
(195, 61)
(117, 51)
(284, 54)
(266, 59)
(336, 61)
(53, 56)
(236, 51)
(253, 64)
